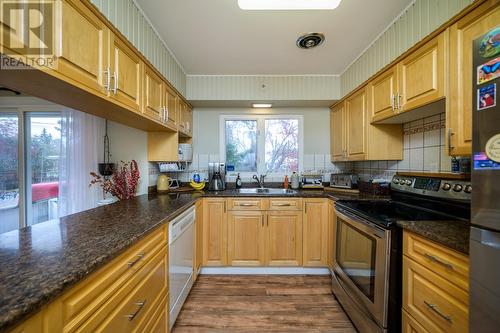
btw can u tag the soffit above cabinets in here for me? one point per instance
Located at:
(216, 37)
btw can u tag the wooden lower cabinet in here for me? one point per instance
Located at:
(331, 233)
(246, 238)
(410, 325)
(198, 243)
(284, 238)
(315, 233)
(214, 232)
(433, 301)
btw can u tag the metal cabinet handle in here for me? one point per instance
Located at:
(283, 205)
(166, 113)
(134, 262)
(435, 309)
(399, 103)
(246, 204)
(439, 261)
(450, 134)
(393, 102)
(140, 306)
(107, 85)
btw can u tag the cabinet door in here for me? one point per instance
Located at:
(246, 238)
(421, 75)
(126, 68)
(337, 135)
(331, 233)
(171, 102)
(214, 232)
(189, 121)
(410, 325)
(198, 244)
(182, 115)
(284, 238)
(315, 232)
(459, 110)
(153, 90)
(82, 46)
(381, 94)
(356, 126)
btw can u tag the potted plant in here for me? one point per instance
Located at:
(122, 184)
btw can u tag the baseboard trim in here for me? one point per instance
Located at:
(264, 271)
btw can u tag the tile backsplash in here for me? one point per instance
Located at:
(423, 151)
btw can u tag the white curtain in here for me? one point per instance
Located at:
(81, 140)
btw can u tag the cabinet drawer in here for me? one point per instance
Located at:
(438, 305)
(410, 325)
(285, 204)
(158, 323)
(246, 204)
(131, 307)
(80, 302)
(445, 262)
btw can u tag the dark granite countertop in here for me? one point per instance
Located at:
(453, 234)
(39, 262)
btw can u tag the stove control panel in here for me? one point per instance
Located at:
(434, 187)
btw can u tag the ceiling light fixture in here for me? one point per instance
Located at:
(288, 4)
(261, 106)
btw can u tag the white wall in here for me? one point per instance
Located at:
(316, 127)
(128, 144)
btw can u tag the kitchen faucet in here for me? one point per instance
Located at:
(259, 180)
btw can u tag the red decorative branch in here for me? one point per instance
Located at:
(123, 183)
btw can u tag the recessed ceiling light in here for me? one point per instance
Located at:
(261, 106)
(288, 4)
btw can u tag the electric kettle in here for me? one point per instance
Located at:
(163, 183)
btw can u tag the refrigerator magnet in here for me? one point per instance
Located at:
(490, 44)
(487, 97)
(492, 148)
(488, 71)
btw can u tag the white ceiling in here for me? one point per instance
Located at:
(215, 37)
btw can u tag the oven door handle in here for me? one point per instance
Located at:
(365, 225)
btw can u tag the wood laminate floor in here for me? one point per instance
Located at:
(262, 303)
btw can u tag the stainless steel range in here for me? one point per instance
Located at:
(366, 278)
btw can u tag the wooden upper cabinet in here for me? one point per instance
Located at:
(214, 232)
(126, 74)
(246, 238)
(153, 90)
(459, 104)
(355, 127)
(171, 107)
(421, 75)
(182, 116)
(284, 238)
(315, 233)
(82, 43)
(381, 94)
(337, 132)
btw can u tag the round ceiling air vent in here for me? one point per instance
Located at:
(310, 40)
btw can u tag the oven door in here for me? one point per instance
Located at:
(362, 264)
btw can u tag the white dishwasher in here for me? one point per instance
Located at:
(180, 246)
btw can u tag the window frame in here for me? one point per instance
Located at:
(261, 141)
(22, 106)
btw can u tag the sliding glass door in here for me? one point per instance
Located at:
(9, 172)
(42, 156)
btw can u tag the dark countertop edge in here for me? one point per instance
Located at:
(458, 244)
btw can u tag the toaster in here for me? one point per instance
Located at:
(343, 180)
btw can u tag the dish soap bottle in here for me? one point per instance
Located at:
(238, 181)
(285, 183)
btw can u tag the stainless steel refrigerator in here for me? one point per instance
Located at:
(485, 230)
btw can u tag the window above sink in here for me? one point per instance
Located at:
(262, 144)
